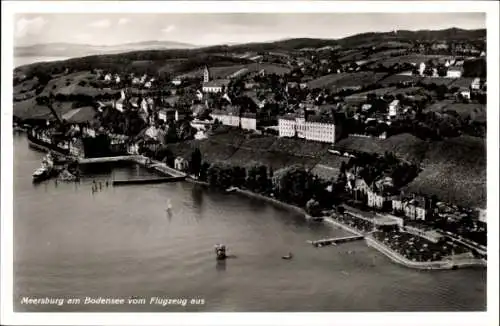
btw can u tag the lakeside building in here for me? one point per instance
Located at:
(414, 208)
(310, 127)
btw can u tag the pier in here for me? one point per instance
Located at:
(146, 181)
(335, 241)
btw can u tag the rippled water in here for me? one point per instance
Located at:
(122, 242)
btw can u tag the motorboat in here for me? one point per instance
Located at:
(287, 257)
(42, 173)
(220, 251)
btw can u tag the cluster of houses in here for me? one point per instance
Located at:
(382, 196)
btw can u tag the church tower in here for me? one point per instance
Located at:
(206, 75)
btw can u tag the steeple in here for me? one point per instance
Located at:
(206, 75)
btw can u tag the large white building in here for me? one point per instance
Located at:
(315, 128)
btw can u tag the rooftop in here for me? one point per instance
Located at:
(216, 83)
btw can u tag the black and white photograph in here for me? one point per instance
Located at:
(283, 157)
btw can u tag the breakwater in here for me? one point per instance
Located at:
(146, 181)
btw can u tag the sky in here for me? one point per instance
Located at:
(210, 29)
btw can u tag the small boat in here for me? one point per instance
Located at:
(42, 173)
(220, 251)
(287, 257)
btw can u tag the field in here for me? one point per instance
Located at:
(412, 59)
(325, 81)
(477, 112)
(437, 80)
(345, 80)
(462, 82)
(396, 79)
(455, 171)
(405, 146)
(221, 72)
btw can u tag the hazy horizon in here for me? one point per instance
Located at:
(200, 29)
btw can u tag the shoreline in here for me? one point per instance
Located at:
(371, 242)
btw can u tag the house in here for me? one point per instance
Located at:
(108, 77)
(136, 81)
(421, 69)
(366, 107)
(393, 108)
(465, 92)
(120, 103)
(248, 121)
(181, 114)
(181, 164)
(229, 116)
(166, 114)
(476, 84)
(482, 215)
(413, 208)
(147, 84)
(177, 81)
(454, 72)
(117, 79)
(215, 86)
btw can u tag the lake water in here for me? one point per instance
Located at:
(21, 61)
(121, 242)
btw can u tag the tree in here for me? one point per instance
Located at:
(195, 163)
(313, 208)
(172, 136)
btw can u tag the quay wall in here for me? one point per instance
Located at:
(434, 265)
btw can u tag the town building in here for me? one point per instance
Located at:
(166, 115)
(421, 69)
(393, 109)
(227, 117)
(464, 92)
(177, 81)
(476, 84)
(248, 121)
(454, 72)
(230, 116)
(215, 86)
(413, 208)
(315, 128)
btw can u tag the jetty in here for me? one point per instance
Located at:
(335, 241)
(146, 181)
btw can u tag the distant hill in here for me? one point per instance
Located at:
(80, 50)
(364, 39)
